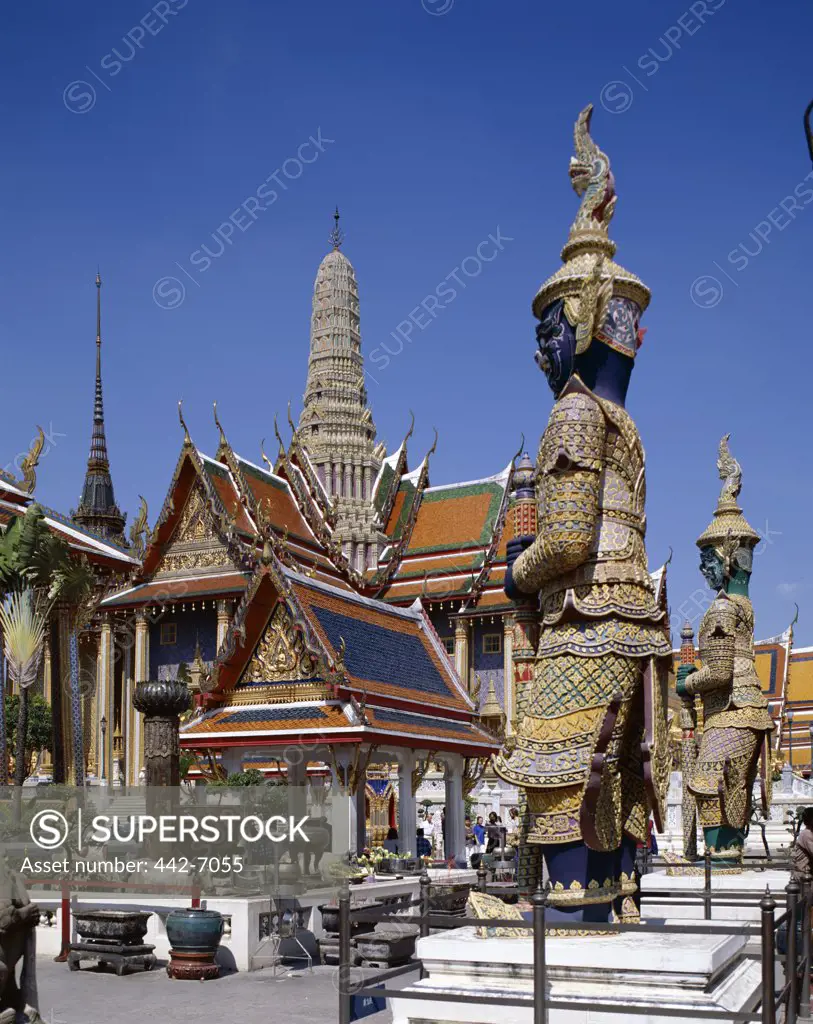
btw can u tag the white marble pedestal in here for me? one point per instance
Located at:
(685, 900)
(687, 972)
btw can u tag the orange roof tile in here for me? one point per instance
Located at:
(177, 590)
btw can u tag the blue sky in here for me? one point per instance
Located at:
(133, 132)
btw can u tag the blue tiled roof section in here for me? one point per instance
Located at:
(382, 655)
(280, 714)
(404, 718)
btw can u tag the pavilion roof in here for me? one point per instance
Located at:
(99, 550)
(378, 673)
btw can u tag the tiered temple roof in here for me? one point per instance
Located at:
(306, 662)
(448, 542)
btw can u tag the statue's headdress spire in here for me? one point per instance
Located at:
(729, 527)
(591, 285)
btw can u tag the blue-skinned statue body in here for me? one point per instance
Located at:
(590, 751)
(736, 723)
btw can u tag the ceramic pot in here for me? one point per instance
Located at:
(194, 931)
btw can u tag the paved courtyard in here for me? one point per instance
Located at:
(94, 997)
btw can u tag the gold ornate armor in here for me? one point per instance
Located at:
(600, 620)
(735, 712)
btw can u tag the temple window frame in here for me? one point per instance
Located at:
(168, 629)
(490, 638)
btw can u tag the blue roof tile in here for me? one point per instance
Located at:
(382, 655)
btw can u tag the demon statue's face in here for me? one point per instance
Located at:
(711, 566)
(557, 346)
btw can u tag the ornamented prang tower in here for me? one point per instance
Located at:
(98, 510)
(336, 426)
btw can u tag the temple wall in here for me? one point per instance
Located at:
(191, 626)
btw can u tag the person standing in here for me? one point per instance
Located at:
(479, 832)
(801, 853)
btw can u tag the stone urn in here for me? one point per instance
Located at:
(112, 927)
(194, 936)
(112, 937)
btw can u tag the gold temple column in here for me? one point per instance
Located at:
(106, 692)
(64, 683)
(223, 621)
(93, 728)
(127, 713)
(141, 673)
(47, 763)
(508, 692)
(461, 650)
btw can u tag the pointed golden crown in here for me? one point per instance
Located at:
(729, 526)
(589, 278)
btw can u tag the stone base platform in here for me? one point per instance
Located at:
(684, 898)
(117, 955)
(650, 972)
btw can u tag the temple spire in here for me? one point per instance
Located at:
(336, 235)
(336, 427)
(97, 507)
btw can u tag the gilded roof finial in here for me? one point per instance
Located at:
(31, 461)
(186, 438)
(223, 442)
(336, 235)
(140, 531)
(266, 460)
(411, 426)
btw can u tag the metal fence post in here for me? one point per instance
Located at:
(805, 912)
(538, 901)
(344, 954)
(707, 884)
(425, 890)
(767, 906)
(792, 892)
(482, 875)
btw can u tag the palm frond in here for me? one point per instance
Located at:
(23, 621)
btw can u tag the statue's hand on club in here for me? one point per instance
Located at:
(682, 688)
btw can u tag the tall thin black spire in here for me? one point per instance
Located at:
(98, 510)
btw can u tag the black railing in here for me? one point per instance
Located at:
(791, 930)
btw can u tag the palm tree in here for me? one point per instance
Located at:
(36, 572)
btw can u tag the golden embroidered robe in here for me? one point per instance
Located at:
(736, 720)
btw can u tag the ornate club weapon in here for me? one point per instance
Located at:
(688, 749)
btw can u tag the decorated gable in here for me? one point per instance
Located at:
(281, 655)
(194, 544)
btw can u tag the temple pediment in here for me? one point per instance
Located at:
(195, 544)
(280, 655)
